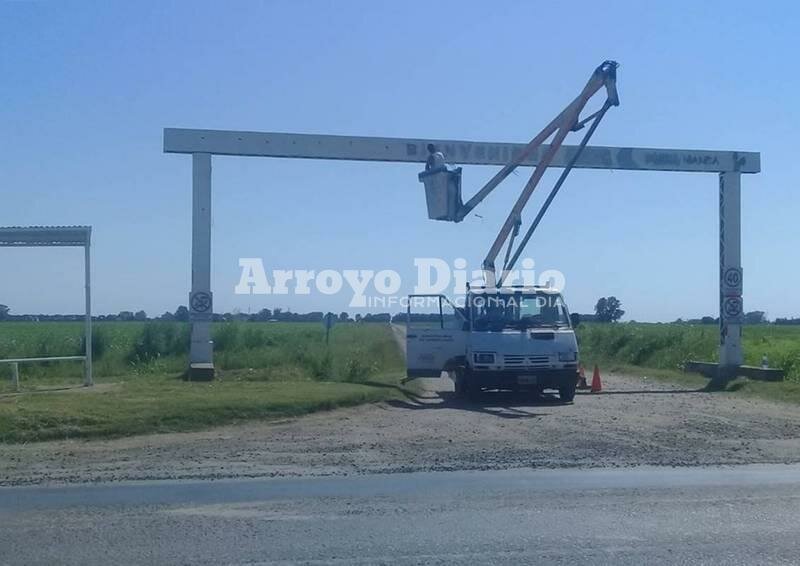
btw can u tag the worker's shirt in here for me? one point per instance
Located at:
(435, 161)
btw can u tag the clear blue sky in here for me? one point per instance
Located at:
(87, 87)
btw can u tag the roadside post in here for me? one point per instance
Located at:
(328, 321)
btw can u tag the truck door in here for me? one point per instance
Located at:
(436, 335)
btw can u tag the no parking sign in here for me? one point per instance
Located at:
(201, 305)
(732, 310)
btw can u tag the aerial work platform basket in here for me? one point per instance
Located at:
(442, 192)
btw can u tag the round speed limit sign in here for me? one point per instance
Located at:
(733, 278)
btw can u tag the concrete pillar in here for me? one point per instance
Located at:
(731, 309)
(201, 364)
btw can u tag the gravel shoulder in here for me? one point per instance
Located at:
(634, 421)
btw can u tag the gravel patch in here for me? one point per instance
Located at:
(634, 421)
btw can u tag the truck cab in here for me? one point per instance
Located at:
(514, 337)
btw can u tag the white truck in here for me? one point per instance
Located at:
(517, 338)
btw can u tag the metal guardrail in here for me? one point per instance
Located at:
(16, 361)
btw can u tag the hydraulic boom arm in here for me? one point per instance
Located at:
(568, 120)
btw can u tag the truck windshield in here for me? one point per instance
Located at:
(493, 312)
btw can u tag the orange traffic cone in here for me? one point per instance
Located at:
(597, 386)
(582, 378)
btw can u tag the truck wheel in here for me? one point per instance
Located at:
(465, 386)
(567, 393)
(473, 391)
(461, 385)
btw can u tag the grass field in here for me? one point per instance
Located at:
(668, 346)
(267, 370)
(281, 369)
(662, 349)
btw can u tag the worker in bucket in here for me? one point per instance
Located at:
(435, 158)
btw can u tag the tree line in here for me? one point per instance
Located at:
(181, 314)
(607, 309)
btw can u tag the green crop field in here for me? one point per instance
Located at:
(282, 350)
(279, 369)
(266, 369)
(660, 351)
(668, 346)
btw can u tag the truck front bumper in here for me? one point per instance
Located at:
(539, 378)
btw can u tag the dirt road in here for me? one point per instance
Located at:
(634, 421)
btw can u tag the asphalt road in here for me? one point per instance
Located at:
(733, 515)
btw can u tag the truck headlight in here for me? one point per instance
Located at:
(483, 357)
(567, 356)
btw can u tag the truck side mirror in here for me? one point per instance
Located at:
(575, 319)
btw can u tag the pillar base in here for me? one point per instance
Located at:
(727, 373)
(200, 372)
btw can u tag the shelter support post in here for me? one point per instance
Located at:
(88, 380)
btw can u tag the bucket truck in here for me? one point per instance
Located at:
(503, 336)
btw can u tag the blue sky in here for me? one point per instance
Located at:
(87, 88)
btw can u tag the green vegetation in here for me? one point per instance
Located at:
(267, 370)
(281, 369)
(356, 351)
(662, 349)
